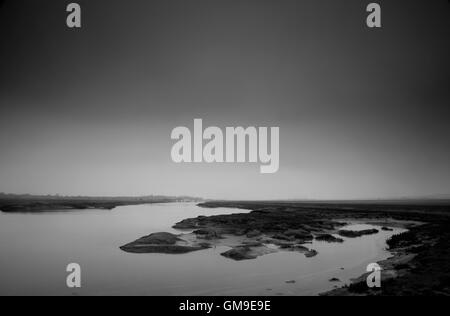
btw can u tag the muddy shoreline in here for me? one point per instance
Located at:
(420, 262)
(417, 266)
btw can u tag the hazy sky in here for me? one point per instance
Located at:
(362, 113)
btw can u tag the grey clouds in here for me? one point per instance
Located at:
(362, 113)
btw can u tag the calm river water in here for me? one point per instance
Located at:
(35, 250)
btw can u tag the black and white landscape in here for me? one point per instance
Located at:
(224, 148)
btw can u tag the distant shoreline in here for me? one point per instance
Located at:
(27, 203)
(41, 204)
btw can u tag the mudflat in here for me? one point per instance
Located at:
(418, 265)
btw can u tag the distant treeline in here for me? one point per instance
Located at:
(27, 203)
(7, 196)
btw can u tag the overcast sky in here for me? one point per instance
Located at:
(362, 113)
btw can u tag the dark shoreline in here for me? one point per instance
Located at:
(42, 204)
(420, 262)
(420, 256)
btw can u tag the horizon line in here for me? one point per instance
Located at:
(442, 196)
